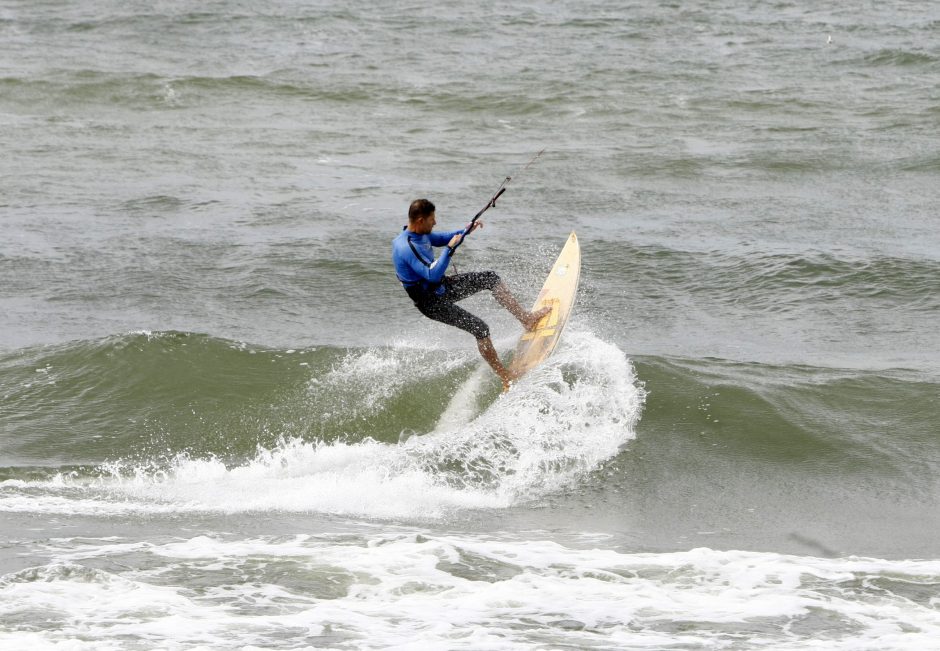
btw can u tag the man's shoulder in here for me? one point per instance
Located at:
(407, 236)
(400, 242)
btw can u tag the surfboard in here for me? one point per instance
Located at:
(558, 293)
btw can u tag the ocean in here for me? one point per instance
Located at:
(223, 425)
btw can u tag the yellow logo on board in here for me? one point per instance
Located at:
(547, 324)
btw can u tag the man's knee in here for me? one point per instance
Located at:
(474, 325)
(490, 280)
(478, 329)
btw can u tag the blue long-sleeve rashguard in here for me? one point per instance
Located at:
(417, 266)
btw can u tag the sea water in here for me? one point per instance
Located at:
(224, 426)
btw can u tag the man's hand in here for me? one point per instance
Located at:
(458, 238)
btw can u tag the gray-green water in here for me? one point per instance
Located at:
(223, 426)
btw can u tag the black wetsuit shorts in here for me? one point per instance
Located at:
(443, 308)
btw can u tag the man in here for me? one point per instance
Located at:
(435, 295)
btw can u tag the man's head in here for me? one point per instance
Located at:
(421, 217)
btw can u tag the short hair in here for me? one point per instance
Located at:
(420, 208)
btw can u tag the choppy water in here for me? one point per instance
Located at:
(222, 425)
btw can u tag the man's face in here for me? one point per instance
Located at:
(425, 225)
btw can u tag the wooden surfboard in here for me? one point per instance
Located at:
(558, 292)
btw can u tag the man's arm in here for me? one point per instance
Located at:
(454, 238)
(443, 237)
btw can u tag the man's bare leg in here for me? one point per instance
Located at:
(528, 319)
(485, 346)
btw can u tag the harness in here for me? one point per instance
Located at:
(414, 250)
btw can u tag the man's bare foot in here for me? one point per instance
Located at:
(508, 379)
(532, 318)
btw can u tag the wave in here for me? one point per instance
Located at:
(778, 282)
(898, 57)
(153, 91)
(182, 421)
(85, 402)
(196, 423)
(929, 163)
(879, 423)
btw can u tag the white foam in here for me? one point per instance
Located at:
(407, 591)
